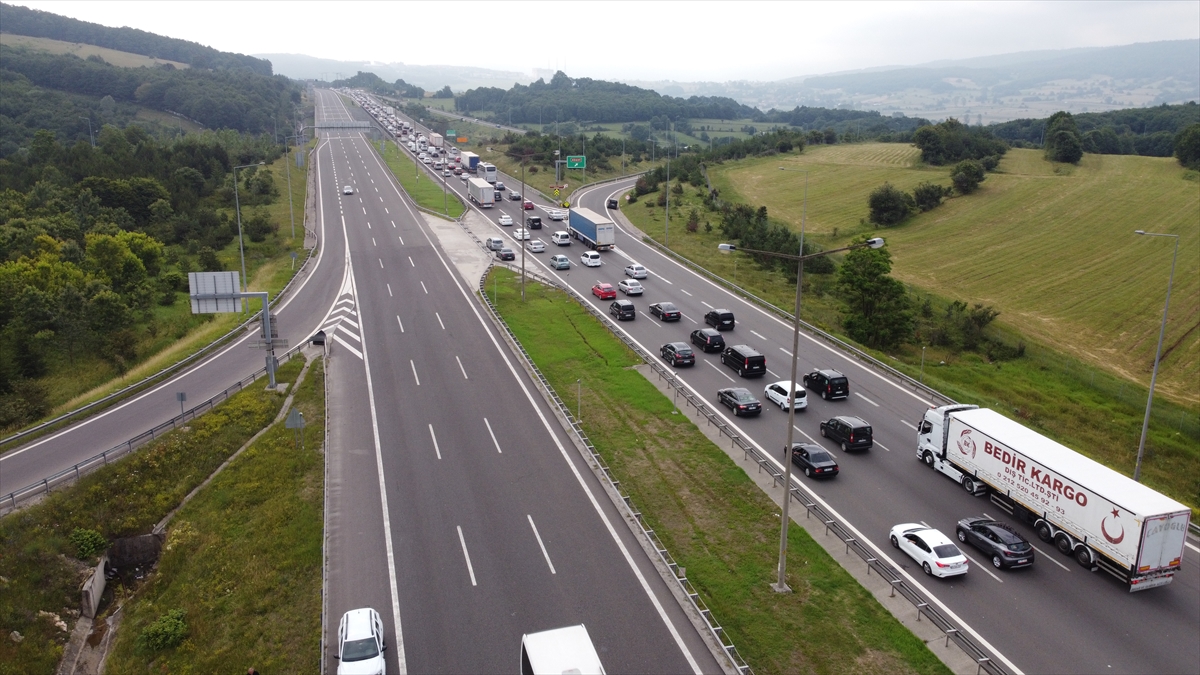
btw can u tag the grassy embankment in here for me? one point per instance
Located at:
(716, 522)
(113, 57)
(258, 523)
(424, 191)
(1035, 244)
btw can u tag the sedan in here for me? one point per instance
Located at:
(708, 339)
(665, 311)
(506, 254)
(513, 195)
(505, 219)
(556, 214)
(630, 287)
(604, 291)
(463, 176)
(348, 190)
(777, 393)
(635, 271)
(521, 234)
(815, 460)
(932, 550)
(1000, 542)
(677, 354)
(447, 173)
(528, 205)
(740, 401)
(536, 246)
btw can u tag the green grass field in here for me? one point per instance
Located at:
(424, 191)
(715, 521)
(111, 56)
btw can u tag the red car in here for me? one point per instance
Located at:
(528, 205)
(604, 291)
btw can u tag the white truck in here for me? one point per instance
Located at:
(481, 192)
(591, 228)
(435, 140)
(1101, 517)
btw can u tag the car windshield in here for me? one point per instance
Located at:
(818, 456)
(359, 650)
(946, 551)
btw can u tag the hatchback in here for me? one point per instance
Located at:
(612, 204)
(361, 643)
(528, 205)
(721, 319)
(740, 401)
(853, 433)
(815, 460)
(630, 287)
(560, 262)
(494, 243)
(708, 339)
(677, 354)
(499, 185)
(1000, 542)
(623, 310)
(604, 291)
(932, 550)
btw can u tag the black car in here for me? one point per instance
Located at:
(612, 204)
(677, 354)
(815, 460)
(533, 222)
(999, 541)
(830, 383)
(623, 310)
(721, 319)
(665, 311)
(740, 401)
(499, 185)
(852, 432)
(514, 196)
(506, 254)
(708, 339)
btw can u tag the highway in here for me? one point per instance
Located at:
(1055, 617)
(456, 505)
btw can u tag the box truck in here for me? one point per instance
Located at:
(481, 193)
(1087, 510)
(435, 140)
(470, 161)
(591, 228)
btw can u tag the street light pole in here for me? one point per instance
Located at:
(1137, 468)
(91, 136)
(237, 207)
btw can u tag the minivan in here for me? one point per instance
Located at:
(533, 222)
(623, 310)
(561, 238)
(745, 360)
(721, 319)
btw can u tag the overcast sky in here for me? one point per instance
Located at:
(684, 41)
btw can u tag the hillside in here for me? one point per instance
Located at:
(112, 56)
(430, 78)
(1050, 246)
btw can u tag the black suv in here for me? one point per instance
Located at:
(830, 383)
(1000, 542)
(533, 222)
(852, 432)
(612, 204)
(623, 310)
(721, 319)
(677, 354)
(708, 339)
(746, 361)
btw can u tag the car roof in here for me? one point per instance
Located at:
(623, 302)
(710, 332)
(852, 420)
(679, 345)
(359, 623)
(603, 284)
(784, 383)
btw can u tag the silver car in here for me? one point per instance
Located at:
(631, 287)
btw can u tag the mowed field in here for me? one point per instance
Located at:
(112, 56)
(1052, 247)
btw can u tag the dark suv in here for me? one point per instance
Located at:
(1000, 542)
(623, 310)
(612, 204)
(721, 319)
(830, 383)
(852, 432)
(533, 222)
(677, 354)
(708, 339)
(746, 361)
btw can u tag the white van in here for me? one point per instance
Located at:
(561, 238)
(562, 650)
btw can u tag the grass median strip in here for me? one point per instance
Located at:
(425, 191)
(713, 518)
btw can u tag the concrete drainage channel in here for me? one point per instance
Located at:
(798, 492)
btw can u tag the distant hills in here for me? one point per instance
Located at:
(429, 78)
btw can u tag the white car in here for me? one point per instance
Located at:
(631, 287)
(348, 190)
(937, 555)
(636, 271)
(427, 160)
(361, 643)
(590, 259)
(777, 393)
(536, 246)
(447, 173)
(504, 219)
(521, 234)
(555, 214)
(463, 176)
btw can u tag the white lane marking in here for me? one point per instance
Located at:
(539, 538)
(706, 304)
(393, 223)
(401, 239)
(685, 292)
(435, 443)
(785, 351)
(772, 372)
(373, 242)
(755, 334)
(381, 263)
(390, 291)
(689, 318)
(414, 369)
(985, 569)
(364, 210)
(1189, 545)
(347, 345)
(466, 555)
(400, 322)
(439, 318)
(410, 261)
(912, 426)
(386, 211)
(880, 445)
(380, 198)
(866, 399)
(424, 289)
(718, 369)
(661, 277)
(369, 227)
(1047, 556)
(648, 316)
(493, 435)
(460, 367)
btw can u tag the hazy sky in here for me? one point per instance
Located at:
(683, 41)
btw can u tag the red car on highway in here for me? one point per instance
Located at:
(604, 291)
(528, 205)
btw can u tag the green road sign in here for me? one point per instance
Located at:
(451, 132)
(576, 162)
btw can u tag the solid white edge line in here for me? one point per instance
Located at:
(543, 546)
(435, 443)
(493, 435)
(1189, 545)
(466, 556)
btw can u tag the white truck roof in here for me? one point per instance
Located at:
(1113, 486)
(562, 650)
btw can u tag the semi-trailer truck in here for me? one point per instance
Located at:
(591, 228)
(435, 140)
(1087, 510)
(470, 161)
(481, 193)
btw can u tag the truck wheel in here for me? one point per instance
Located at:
(968, 484)
(928, 459)
(895, 544)
(1063, 543)
(1044, 532)
(1083, 556)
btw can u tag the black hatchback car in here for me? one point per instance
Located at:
(708, 339)
(1000, 542)
(852, 433)
(740, 401)
(830, 383)
(815, 460)
(677, 354)
(623, 310)
(721, 319)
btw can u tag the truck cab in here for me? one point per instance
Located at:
(931, 448)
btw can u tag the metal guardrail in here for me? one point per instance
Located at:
(795, 491)
(10, 500)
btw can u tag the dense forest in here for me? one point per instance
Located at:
(221, 99)
(1134, 131)
(376, 85)
(24, 21)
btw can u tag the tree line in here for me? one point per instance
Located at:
(1135, 131)
(373, 83)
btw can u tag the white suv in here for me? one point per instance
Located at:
(361, 643)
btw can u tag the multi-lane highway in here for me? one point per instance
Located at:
(1055, 617)
(457, 506)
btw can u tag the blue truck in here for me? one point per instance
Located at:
(591, 228)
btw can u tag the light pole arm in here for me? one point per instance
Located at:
(877, 242)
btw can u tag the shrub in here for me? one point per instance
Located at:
(929, 196)
(1187, 147)
(87, 543)
(164, 632)
(889, 205)
(967, 175)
